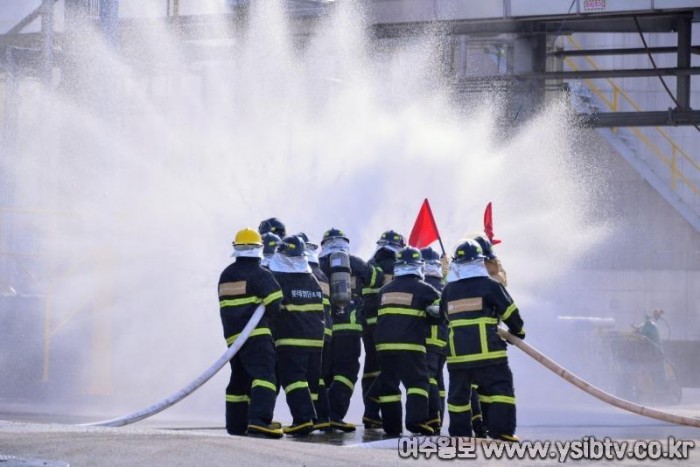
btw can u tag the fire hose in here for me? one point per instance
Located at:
(519, 343)
(593, 390)
(194, 385)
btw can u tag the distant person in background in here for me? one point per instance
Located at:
(475, 304)
(251, 392)
(299, 329)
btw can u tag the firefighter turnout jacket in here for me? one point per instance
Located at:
(436, 340)
(383, 264)
(300, 323)
(475, 306)
(402, 319)
(243, 286)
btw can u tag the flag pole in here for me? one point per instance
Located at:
(430, 210)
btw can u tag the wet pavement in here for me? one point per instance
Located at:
(37, 436)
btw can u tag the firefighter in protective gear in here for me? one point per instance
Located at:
(270, 244)
(497, 273)
(475, 304)
(251, 392)
(299, 329)
(407, 306)
(435, 343)
(321, 403)
(273, 225)
(346, 329)
(491, 261)
(389, 243)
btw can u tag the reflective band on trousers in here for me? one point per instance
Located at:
(328, 332)
(256, 332)
(368, 291)
(432, 381)
(297, 385)
(314, 396)
(389, 399)
(417, 391)
(264, 384)
(345, 381)
(416, 347)
(237, 398)
(459, 408)
(496, 399)
(401, 311)
(476, 357)
(300, 342)
(372, 320)
(373, 374)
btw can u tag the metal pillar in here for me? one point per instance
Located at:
(47, 34)
(109, 21)
(529, 56)
(683, 82)
(9, 127)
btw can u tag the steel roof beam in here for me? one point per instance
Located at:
(626, 51)
(586, 74)
(671, 117)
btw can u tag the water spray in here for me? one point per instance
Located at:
(176, 397)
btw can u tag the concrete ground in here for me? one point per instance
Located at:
(39, 436)
(58, 445)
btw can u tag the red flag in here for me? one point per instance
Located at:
(424, 230)
(488, 224)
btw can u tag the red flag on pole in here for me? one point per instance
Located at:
(424, 230)
(488, 224)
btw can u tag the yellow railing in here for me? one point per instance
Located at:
(613, 103)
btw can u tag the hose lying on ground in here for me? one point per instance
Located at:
(194, 385)
(594, 391)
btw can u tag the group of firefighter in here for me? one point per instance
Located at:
(413, 310)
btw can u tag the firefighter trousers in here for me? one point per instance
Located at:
(436, 402)
(408, 368)
(496, 396)
(345, 366)
(251, 392)
(323, 409)
(299, 371)
(370, 374)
